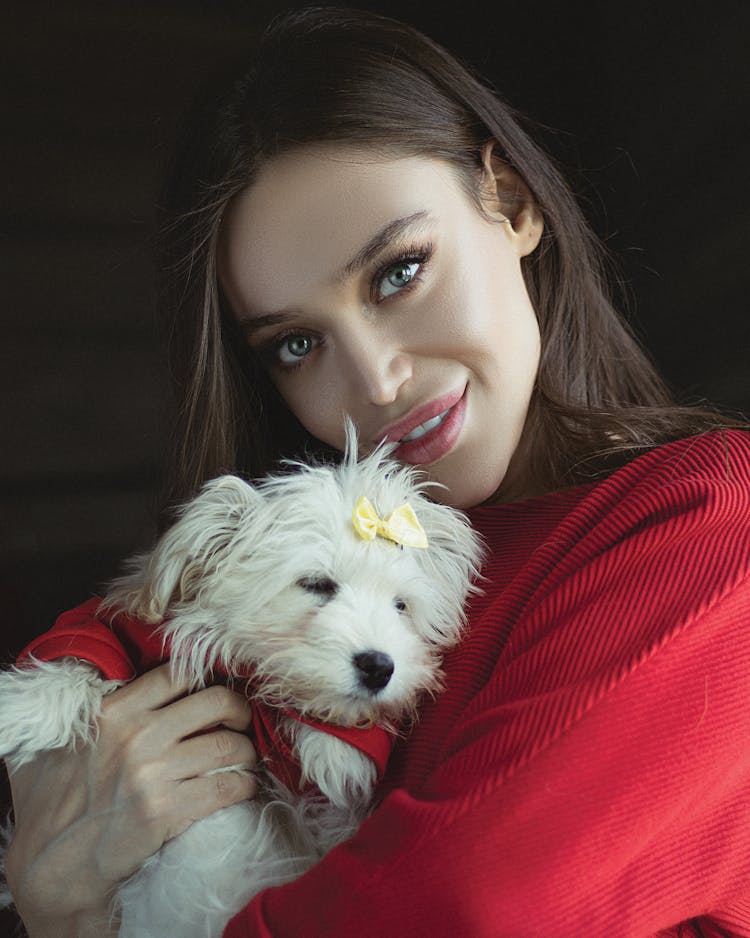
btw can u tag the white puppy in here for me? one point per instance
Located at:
(315, 584)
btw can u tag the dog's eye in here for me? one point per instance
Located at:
(322, 586)
(400, 605)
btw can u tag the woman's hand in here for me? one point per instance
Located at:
(87, 820)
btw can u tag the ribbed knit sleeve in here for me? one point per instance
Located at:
(587, 770)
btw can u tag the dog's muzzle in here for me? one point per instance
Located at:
(374, 669)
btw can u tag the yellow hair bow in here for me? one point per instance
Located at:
(400, 526)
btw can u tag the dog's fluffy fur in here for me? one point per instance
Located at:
(274, 577)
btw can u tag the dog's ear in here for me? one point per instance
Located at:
(185, 554)
(452, 563)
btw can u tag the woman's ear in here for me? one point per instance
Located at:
(507, 198)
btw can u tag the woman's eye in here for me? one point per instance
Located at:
(293, 348)
(398, 276)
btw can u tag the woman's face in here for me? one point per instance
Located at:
(374, 288)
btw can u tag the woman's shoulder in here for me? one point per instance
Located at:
(675, 498)
(716, 458)
(630, 563)
(695, 482)
(669, 529)
(650, 566)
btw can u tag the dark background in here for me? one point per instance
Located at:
(645, 105)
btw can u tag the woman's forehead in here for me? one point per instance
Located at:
(310, 211)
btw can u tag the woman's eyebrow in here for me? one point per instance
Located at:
(380, 240)
(250, 324)
(377, 243)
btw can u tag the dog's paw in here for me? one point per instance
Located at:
(48, 705)
(343, 774)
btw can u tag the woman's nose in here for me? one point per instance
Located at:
(379, 368)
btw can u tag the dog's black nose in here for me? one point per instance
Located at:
(375, 669)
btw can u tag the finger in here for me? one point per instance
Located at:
(203, 710)
(210, 751)
(196, 798)
(152, 690)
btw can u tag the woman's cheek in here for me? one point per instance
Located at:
(316, 398)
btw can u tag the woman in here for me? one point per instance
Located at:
(362, 227)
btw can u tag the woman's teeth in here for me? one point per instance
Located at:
(423, 428)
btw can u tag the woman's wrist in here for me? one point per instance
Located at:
(89, 924)
(65, 909)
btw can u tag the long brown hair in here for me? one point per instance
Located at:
(333, 74)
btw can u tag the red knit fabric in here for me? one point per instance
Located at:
(126, 646)
(587, 771)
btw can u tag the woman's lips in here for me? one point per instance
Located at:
(420, 415)
(434, 444)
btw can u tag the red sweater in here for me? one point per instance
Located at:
(123, 647)
(586, 773)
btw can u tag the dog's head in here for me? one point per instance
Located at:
(275, 578)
